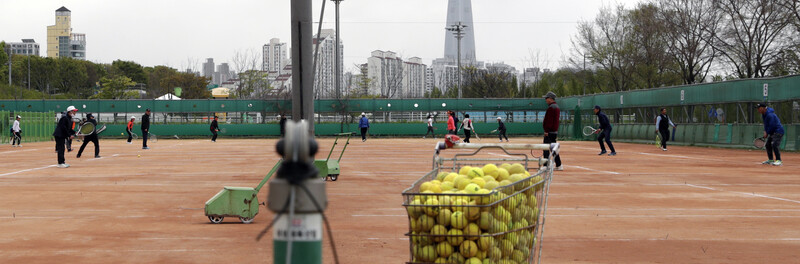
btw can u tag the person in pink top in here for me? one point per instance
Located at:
(451, 123)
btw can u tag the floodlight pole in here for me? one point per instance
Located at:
(337, 53)
(458, 32)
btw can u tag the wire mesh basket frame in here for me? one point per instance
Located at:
(459, 160)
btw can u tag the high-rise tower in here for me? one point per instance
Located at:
(460, 11)
(61, 42)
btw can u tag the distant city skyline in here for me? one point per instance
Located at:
(182, 36)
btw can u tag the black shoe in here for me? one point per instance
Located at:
(612, 154)
(602, 152)
(69, 150)
(97, 157)
(79, 156)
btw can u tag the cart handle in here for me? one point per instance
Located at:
(551, 147)
(269, 175)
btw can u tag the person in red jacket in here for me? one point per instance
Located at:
(550, 125)
(451, 123)
(130, 128)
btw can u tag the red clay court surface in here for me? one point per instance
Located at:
(687, 205)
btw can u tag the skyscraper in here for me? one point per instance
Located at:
(460, 11)
(274, 56)
(324, 77)
(61, 42)
(208, 68)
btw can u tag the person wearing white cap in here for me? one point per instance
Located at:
(364, 125)
(62, 132)
(17, 133)
(130, 128)
(501, 129)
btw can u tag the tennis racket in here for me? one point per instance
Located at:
(588, 131)
(476, 135)
(223, 130)
(658, 140)
(134, 135)
(673, 132)
(16, 138)
(85, 129)
(151, 137)
(760, 142)
(101, 129)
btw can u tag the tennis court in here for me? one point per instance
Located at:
(687, 205)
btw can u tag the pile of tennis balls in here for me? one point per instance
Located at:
(464, 216)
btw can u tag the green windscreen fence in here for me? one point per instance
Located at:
(35, 126)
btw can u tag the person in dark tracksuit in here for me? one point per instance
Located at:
(773, 132)
(550, 125)
(364, 125)
(145, 128)
(501, 129)
(662, 127)
(130, 129)
(604, 131)
(214, 128)
(91, 138)
(62, 132)
(282, 124)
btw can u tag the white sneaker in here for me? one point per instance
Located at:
(768, 162)
(777, 163)
(63, 165)
(664, 149)
(559, 168)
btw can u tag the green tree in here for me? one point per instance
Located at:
(71, 78)
(130, 69)
(115, 88)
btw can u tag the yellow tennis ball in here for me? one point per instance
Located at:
(139, 156)
(121, 134)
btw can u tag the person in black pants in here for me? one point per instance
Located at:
(214, 128)
(550, 126)
(430, 128)
(145, 128)
(662, 127)
(91, 138)
(501, 129)
(364, 125)
(62, 133)
(604, 131)
(282, 123)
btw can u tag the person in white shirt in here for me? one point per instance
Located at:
(17, 133)
(467, 126)
(430, 128)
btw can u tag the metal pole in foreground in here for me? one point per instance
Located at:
(302, 71)
(298, 197)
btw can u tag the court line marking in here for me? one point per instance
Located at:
(744, 193)
(26, 170)
(584, 168)
(17, 151)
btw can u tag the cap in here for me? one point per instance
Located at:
(363, 114)
(133, 117)
(147, 110)
(498, 118)
(597, 107)
(72, 108)
(550, 95)
(89, 115)
(761, 105)
(18, 117)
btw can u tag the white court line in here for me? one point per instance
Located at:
(584, 168)
(26, 170)
(17, 151)
(744, 193)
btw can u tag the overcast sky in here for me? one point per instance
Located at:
(171, 32)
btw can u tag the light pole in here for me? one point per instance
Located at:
(337, 51)
(584, 72)
(458, 31)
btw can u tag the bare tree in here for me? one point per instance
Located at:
(251, 81)
(689, 27)
(751, 36)
(604, 41)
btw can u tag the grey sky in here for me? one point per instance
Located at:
(170, 32)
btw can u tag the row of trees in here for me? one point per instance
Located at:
(663, 43)
(63, 78)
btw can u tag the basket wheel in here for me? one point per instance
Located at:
(334, 177)
(215, 219)
(246, 220)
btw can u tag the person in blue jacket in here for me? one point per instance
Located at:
(364, 125)
(604, 132)
(773, 132)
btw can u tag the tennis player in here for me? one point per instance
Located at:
(501, 129)
(550, 125)
(91, 138)
(467, 126)
(662, 127)
(604, 132)
(364, 125)
(130, 129)
(17, 133)
(430, 128)
(773, 132)
(145, 128)
(214, 128)
(64, 132)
